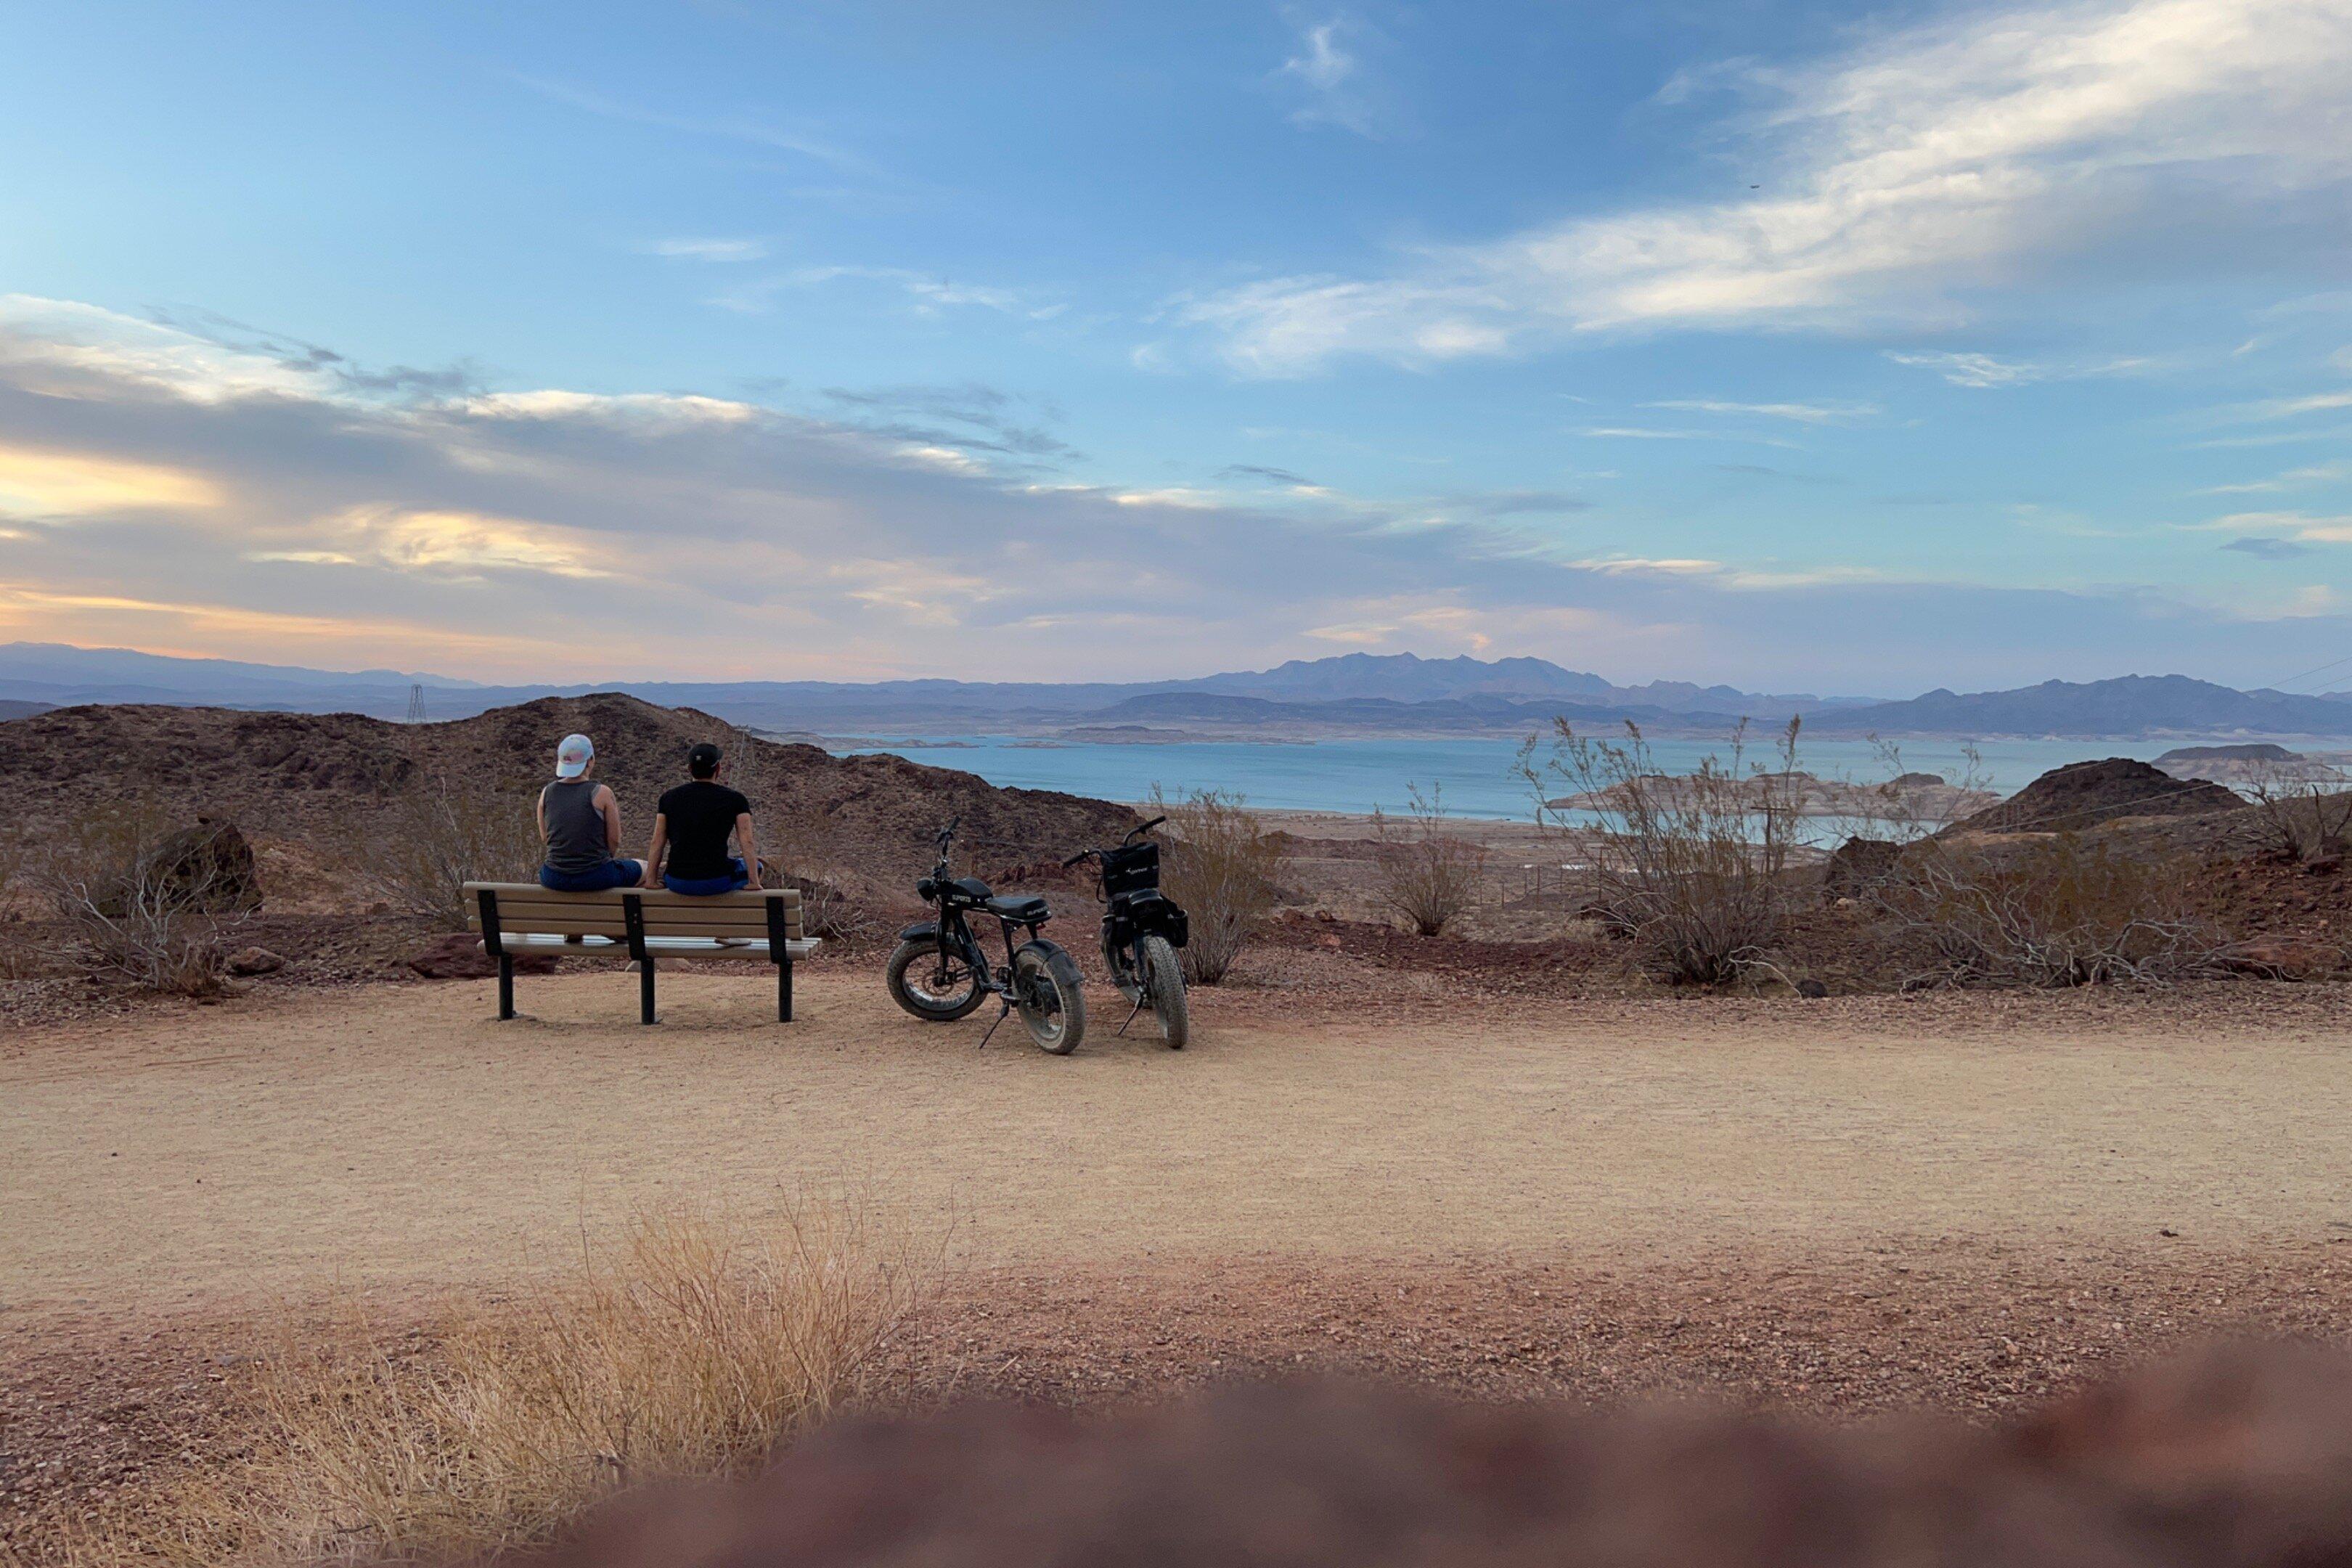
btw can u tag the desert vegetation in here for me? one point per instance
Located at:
(138, 895)
(2055, 911)
(1425, 875)
(442, 831)
(1221, 866)
(695, 1348)
(1693, 870)
(2303, 810)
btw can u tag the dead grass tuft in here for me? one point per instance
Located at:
(695, 1349)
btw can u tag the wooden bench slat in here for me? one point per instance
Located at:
(652, 896)
(523, 916)
(616, 928)
(664, 947)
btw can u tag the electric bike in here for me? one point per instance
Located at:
(941, 973)
(1141, 930)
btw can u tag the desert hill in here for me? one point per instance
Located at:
(322, 778)
(2085, 794)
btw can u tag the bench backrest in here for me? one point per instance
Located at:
(528, 909)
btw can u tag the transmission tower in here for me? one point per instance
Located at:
(416, 702)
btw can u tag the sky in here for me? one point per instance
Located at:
(1820, 347)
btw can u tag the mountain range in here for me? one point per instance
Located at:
(1354, 694)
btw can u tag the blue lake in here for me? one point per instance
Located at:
(1357, 776)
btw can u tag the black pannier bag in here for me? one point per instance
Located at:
(1132, 870)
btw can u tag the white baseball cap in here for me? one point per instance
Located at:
(573, 757)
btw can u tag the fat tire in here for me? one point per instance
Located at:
(1168, 1002)
(905, 957)
(1063, 971)
(1122, 970)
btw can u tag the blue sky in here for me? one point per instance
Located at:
(1829, 347)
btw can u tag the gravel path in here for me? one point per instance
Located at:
(398, 1137)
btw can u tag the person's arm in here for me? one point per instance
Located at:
(750, 850)
(610, 806)
(653, 854)
(539, 814)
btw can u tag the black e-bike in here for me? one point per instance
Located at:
(1141, 930)
(940, 972)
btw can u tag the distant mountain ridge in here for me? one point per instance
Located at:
(65, 675)
(2127, 705)
(1345, 694)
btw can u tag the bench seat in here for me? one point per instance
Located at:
(647, 924)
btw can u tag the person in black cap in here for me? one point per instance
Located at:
(692, 822)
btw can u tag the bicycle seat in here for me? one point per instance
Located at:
(1026, 909)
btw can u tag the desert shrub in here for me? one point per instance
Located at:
(17, 957)
(2053, 911)
(145, 898)
(2302, 810)
(1220, 867)
(695, 1349)
(1426, 876)
(1692, 868)
(439, 834)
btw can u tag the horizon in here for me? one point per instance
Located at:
(1968, 346)
(621, 683)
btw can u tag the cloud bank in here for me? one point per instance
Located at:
(165, 490)
(1888, 185)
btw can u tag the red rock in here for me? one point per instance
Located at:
(459, 955)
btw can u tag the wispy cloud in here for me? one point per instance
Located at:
(2292, 479)
(2292, 407)
(694, 249)
(1803, 413)
(2263, 548)
(926, 292)
(1985, 370)
(755, 133)
(1897, 178)
(1654, 433)
(1330, 80)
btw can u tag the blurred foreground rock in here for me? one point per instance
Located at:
(2241, 1457)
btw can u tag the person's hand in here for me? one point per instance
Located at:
(650, 882)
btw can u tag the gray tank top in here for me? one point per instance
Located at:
(575, 828)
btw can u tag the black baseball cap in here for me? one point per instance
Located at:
(703, 761)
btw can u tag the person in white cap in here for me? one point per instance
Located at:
(580, 823)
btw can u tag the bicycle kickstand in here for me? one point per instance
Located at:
(1002, 1013)
(1132, 1012)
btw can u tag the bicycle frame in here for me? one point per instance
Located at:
(952, 929)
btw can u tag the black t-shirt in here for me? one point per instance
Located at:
(701, 814)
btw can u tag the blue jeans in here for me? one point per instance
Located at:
(609, 874)
(703, 887)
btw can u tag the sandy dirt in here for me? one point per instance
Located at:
(399, 1136)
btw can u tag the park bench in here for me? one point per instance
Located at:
(646, 923)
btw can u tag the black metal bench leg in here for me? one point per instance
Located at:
(506, 986)
(784, 989)
(646, 990)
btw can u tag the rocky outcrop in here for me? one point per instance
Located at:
(2084, 794)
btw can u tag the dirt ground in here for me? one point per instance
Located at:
(399, 1135)
(1864, 1204)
